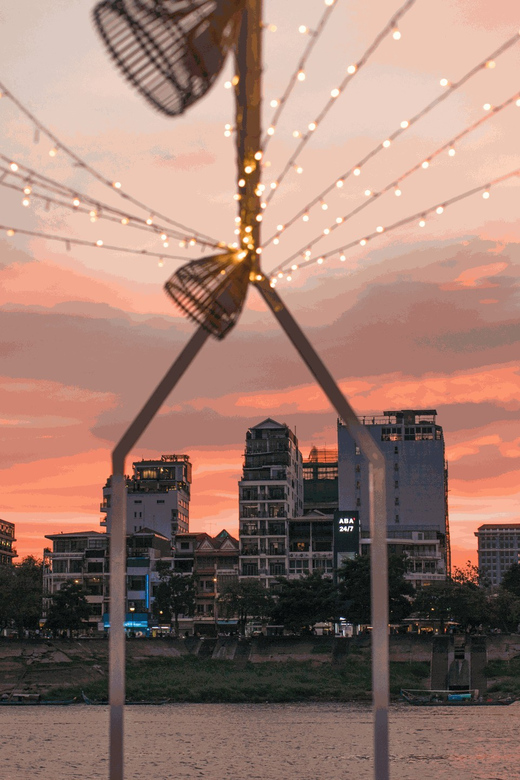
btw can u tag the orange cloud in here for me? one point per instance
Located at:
(477, 276)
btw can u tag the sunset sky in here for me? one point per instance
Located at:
(419, 318)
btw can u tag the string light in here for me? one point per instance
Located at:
(405, 123)
(356, 171)
(451, 152)
(281, 103)
(301, 75)
(487, 106)
(26, 202)
(58, 145)
(396, 35)
(444, 83)
(438, 208)
(395, 184)
(386, 143)
(485, 194)
(335, 92)
(351, 71)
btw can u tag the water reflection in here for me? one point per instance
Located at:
(255, 742)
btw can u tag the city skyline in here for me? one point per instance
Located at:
(426, 318)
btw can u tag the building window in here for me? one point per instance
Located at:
(299, 566)
(358, 484)
(396, 466)
(358, 502)
(358, 468)
(396, 450)
(160, 500)
(397, 518)
(396, 483)
(396, 500)
(357, 450)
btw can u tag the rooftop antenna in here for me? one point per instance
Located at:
(172, 51)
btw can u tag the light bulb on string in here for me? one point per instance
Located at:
(312, 126)
(276, 240)
(13, 166)
(425, 164)
(368, 193)
(149, 221)
(351, 69)
(10, 232)
(339, 220)
(334, 93)
(490, 64)
(444, 83)
(324, 206)
(342, 258)
(485, 194)
(26, 202)
(160, 263)
(27, 189)
(386, 143)
(340, 183)
(99, 242)
(53, 152)
(76, 202)
(270, 130)
(301, 75)
(320, 260)
(396, 34)
(379, 229)
(305, 217)
(116, 185)
(274, 103)
(326, 231)
(451, 152)
(356, 171)
(404, 124)
(164, 237)
(439, 209)
(125, 221)
(422, 223)
(303, 29)
(294, 267)
(297, 134)
(397, 192)
(487, 106)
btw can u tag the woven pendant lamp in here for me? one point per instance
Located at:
(170, 50)
(211, 291)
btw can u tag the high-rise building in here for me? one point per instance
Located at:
(498, 550)
(270, 491)
(158, 496)
(416, 488)
(7, 553)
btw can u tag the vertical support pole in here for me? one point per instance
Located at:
(377, 512)
(117, 602)
(248, 94)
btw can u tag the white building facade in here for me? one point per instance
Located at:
(498, 550)
(158, 496)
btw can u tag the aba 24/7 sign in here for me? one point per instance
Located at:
(346, 531)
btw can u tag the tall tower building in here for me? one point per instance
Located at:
(157, 496)
(7, 552)
(270, 491)
(416, 488)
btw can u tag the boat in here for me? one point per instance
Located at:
(33, 699)
(449, 698)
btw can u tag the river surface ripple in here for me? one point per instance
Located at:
(260, 741)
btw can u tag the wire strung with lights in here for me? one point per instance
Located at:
(59, 146)
(29, 180)
(279, 104)
(419, 217)
(352, 71)
(99, 244)
(356, 169)
(394, 185)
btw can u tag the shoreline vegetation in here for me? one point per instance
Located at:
(287, 669)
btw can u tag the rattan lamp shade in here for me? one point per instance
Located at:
(170, 50)
(211, 291)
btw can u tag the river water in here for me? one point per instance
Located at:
(260, 742)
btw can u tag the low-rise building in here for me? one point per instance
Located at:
(7, 539)
(498, 550)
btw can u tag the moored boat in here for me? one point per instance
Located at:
(447, 698)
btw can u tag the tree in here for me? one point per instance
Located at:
(21, 592)
(69, 608)
(303, 602)
(511, 580)
(174, 596)
(458, 598)
(247, 600)
(354, 600)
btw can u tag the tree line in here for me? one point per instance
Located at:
(463, 600)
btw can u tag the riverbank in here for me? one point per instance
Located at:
(277, 669)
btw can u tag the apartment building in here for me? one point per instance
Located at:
(7, 539)
(270, 492)
(158, 496)
(498, 550)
